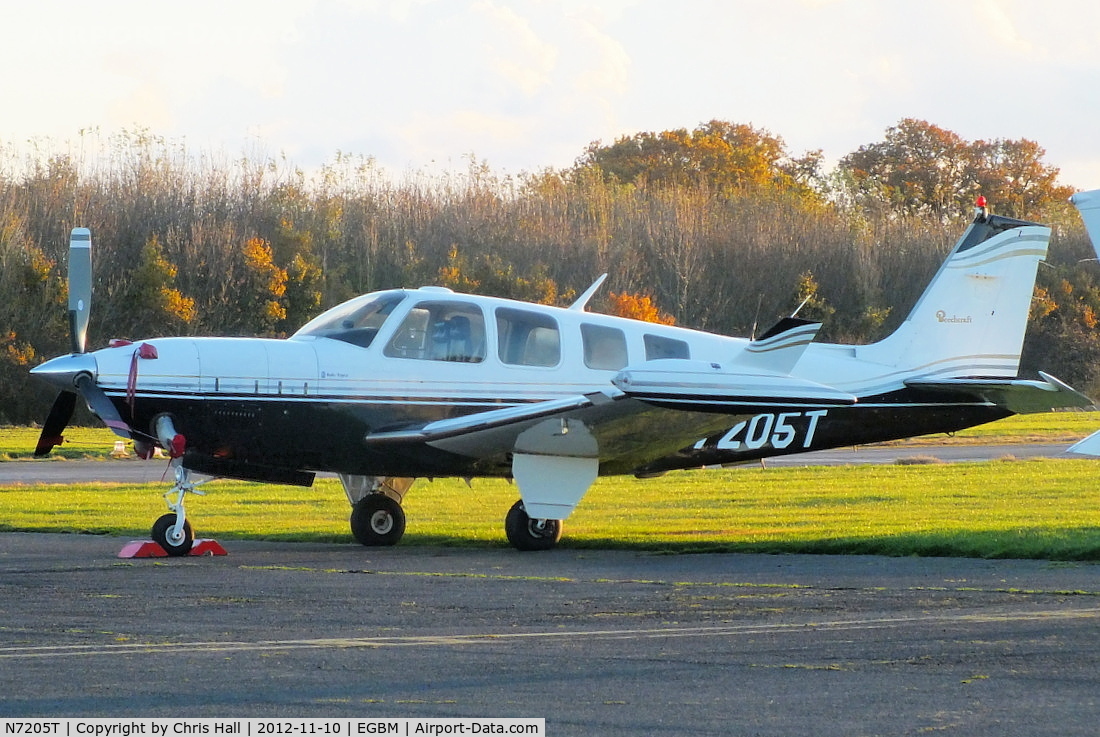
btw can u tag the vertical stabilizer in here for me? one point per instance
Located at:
(971, 319)
(1088, 204)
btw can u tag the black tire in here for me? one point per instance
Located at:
(377, 520)
(530, 534)
(160, 535)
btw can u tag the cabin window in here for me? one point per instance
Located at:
(527, 338)
(657, 346)
(441, 331)
(604, 348)
(356, 321)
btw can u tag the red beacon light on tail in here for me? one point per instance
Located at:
(981, 211)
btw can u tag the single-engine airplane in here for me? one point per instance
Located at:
(408, 383)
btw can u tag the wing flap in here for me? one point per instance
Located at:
(1020, 396)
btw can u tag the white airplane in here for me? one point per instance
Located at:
(409, 383)
(1088, 204)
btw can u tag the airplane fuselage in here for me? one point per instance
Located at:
(263, 408)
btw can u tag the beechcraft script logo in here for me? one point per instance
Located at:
(942, 316)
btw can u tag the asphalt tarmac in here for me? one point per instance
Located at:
(598, 643)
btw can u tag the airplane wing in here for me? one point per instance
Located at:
(694, 388)
(1020, 396)
(557, 447)
(514, 417)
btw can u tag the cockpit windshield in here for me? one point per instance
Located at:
(356, 321)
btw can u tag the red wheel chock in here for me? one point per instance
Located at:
(149, 549)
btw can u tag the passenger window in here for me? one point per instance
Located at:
(657, 346)
(604, 348)
(527, 338)
(441, 331)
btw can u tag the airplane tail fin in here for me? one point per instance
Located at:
(1088, 204)
(971, 319)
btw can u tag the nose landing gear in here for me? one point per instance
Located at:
(172, 531)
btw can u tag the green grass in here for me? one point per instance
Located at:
(1045, 427)
(17, 443)
(1046, 509)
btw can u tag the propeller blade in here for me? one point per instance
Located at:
(101, 404)
(56, 421)
(80, 286)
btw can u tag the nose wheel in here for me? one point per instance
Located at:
(172, 531)
(175, 539)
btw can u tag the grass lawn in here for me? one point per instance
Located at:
(1022, 509)
(1048, 509)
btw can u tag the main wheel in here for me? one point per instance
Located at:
(162, 530)
(377, 520)
(530, 534)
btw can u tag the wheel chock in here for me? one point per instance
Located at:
(149, 549)
(207, 547)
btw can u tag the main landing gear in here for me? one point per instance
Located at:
(376, 514)
(172, 531)
(378, 519)
(526, 533)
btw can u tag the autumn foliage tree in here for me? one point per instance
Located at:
(724, 157)
(150, 293)
(637, 307)
(922, 169)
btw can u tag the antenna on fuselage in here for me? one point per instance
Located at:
(756, 317)
(582, 301)
(799, 308)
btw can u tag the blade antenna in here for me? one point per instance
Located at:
(799, 308)
(756, 317)
(582, 300)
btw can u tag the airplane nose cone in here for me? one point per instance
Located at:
(63, 370)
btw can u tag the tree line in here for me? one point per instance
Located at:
(719, 228)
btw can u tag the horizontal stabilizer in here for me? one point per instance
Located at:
(1090, 446)
(780, 348)
(1020, 396)
(707, 387)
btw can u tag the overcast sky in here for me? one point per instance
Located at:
(527, 84)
